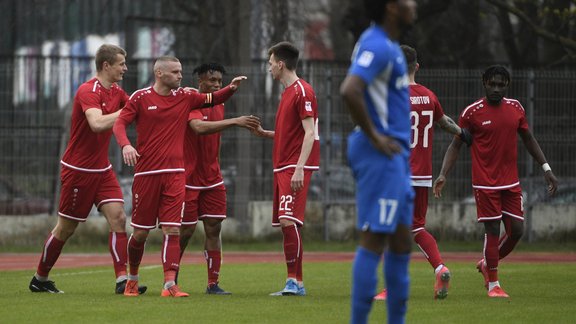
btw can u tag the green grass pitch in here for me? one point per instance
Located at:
(540, 293)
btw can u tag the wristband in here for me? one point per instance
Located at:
(546, 167)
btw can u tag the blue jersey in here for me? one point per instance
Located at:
(380, 63)
(383, 191)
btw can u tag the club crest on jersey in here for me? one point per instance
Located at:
(308, 105)
(365, 58)
(486, 122)
(152, 107)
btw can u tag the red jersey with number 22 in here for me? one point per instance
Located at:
(425, 109)
(494, 146)
(298, 102)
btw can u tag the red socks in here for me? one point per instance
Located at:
(135, 252)
(491, 255)
(118, 245)
(291, 249)
(213, 262)
(50, 254)
(428, 245)
(171, 256)
(299, 275)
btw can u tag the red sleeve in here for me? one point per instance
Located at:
(195, 114)
(523, 124)
(203, 100)
(88, 99)
(306, 106)
(464, 122)
(126, 117)
(438, 111)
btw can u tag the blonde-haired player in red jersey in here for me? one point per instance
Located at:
(494, 122)
(425, 111)
(161, 114)
(87, 177)
(296, 154)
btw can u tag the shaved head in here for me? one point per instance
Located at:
(163, 62)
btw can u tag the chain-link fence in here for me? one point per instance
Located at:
(36, 94)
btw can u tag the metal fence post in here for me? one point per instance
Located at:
(529, 163)
(327, 145)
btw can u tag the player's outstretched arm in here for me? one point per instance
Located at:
(235, 83)
(99, 122)
(534, 149)
(352, 91)
(447, 165)
(448, 125)
(261, 132)
(202, 127)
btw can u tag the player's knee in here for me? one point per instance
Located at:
(171, 230)
(140, 235)
(517, 232)
(187, 231)
(212, 228)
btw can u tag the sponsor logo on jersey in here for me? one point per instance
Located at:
(402, 82)
(152, 107)
(308, 105)
(486, 122)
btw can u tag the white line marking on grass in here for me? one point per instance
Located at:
(98, 271)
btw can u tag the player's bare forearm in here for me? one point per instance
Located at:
(308, 141)
(352, 91)
(448, 125)
(98, 122)
(450, 156)
(532, 146)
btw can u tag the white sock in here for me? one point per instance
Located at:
(300, 284)
(121, 278)
(438, 268)
(40, 278)
(133, 277)
(493, 284)
(169, 284)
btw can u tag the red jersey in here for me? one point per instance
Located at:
(494, 146)
(161, 123)
(88, 151)
(298, 102)
(201, 152)
(425, 110)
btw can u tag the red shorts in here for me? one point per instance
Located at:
(202, 204)
(288, 204)
(420, 208)
(158, 199)
(492, 204)
(81, 190)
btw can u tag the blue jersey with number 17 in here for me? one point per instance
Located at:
(380, 63)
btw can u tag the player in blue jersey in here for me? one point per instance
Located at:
(376, 93)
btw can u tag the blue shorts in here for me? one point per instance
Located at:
(384, 194)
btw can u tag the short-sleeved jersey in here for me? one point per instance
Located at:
(425, 110)
(201, 152)
(380, 63)
(88, 151)
(298, 102)
(161, 123)
(494, 146)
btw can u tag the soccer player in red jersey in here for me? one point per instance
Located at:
(296, 154)
(425, 111)
(205, 191)
(87, 177)
(494, 122)
(158, 191)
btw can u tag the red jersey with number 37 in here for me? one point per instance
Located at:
(201, 152)
(425, 110)
(298, 102)
(494, 147)
(88, 151)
